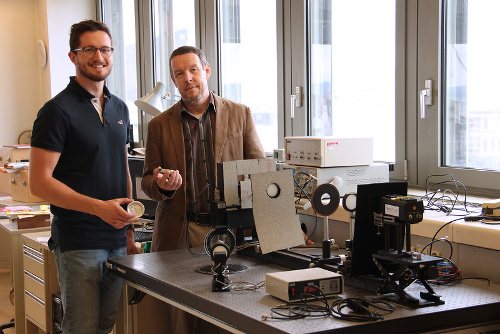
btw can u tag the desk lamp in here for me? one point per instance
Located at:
(152, 103)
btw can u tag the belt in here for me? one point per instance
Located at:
(202, 218)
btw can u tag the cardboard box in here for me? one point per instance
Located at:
(28, 221)
(21, 188)
(13, 153)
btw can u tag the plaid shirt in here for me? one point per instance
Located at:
(200, 162)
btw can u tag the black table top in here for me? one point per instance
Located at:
(172, 274)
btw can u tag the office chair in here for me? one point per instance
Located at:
(7, 325)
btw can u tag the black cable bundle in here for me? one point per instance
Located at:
(359, 309)
(302, 309)
(351, 309)
(442, 194)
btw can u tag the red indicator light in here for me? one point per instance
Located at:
(310, 289)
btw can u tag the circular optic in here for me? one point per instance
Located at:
(349, 202)
(273, 190)
(219, 235)
(325, 199)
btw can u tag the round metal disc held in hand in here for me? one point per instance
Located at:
(136, 208)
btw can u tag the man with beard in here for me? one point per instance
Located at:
(189, 139)
(79, 165)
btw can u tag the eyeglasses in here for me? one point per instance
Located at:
(90, 51)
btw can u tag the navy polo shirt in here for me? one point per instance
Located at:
(92, 162)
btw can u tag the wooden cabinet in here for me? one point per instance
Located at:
(40, 283)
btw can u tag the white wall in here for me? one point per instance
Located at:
(24, 86)
(61, 14)
(19, 83)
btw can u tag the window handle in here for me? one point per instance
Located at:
(425, 97)
(423, 93)
(295, 101)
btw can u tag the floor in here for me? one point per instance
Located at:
(6, 308)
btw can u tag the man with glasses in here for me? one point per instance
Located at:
(79, 165)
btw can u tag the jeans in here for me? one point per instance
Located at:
(90, 293)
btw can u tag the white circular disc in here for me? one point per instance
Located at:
(273, 190)
(137, 208)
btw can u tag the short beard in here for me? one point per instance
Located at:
(194, 99)
(90, 76)
(95, 77)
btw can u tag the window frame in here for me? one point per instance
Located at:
(419, 56)
(297, 18)
(429, 139)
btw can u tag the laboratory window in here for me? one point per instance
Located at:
(248, 63)
(470, 84)
(123, 79)
(352, 71)
(174, 26)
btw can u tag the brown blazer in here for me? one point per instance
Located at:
(236, 138)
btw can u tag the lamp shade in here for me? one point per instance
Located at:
(152, 103)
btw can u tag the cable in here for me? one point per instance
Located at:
(314, 229)
(145, 225)
(190, 218)
(302, 188)
(351, 309)
(187, 240)
(302, 309)
(448, 273)
(479, 278)
(448, 196)
(495, 222)
(247, 286)
(302, 191)
(360, 310)
(246, 245)
(439, 230)
(434, 241)
(490, 220)
(466, 218)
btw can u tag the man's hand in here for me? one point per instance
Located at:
(131, 247)
(113, 214)
(171, 180)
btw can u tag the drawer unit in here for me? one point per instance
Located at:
(34, 284)
(20, 188)
(40, 283)
(35, 310)
(14, 153)
(33, 261)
